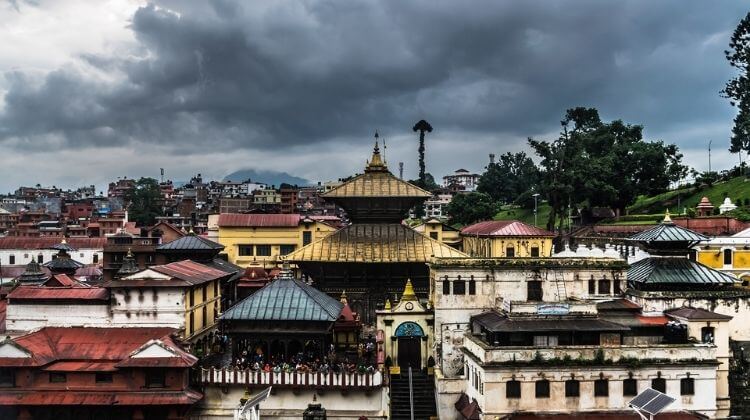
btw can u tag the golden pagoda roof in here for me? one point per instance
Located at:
(374, 243)
(377, 181)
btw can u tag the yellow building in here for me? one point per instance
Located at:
(441, 232)
(263, 238)
(730, 254)
(506, 238)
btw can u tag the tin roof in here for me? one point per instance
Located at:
(258, 220)
(374, 243)
(502, 228)
(92, 397)
(190, 243)
(697, 314)
(496, 322)
(59, 287)
(14, 242)
(286, 299)
(63, 263)
(667, 231)
(676, 270)
(183, 273)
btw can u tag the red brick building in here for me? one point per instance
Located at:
(84, 373)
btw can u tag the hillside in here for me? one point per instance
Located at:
(524, 215)
(736, 188)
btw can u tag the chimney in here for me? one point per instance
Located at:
(492, 158)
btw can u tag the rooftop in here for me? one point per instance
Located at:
(501, 228)
(13, 242)
(259, 220)
(177, 274)
(697, 314)
(668, 231)
(191, 243)
(59, 287)
(676, 270)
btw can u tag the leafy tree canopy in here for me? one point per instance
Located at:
(738, 88)
(506, 180)
(145, 202)
(471, 207)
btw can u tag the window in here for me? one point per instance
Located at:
(510, 252)
(601, 388)
(40, 258)
(616, 287)
(103, 378)
(155, 378)
(192, 323)
(472, 286)
(216, 288)
(659, 384)
(687, 386)
(205, 316)
(513, 389)
(7, 378)
(727, 257)
(459, 286)
(545, 341)
(572, 388)
(306, 237)
(630, 387)
(542, 388)
(707, 335)
(535, 251)
(446, 286)
(263, 250)
(150, 258)
(57, 377)
(12, 259)
(534, 290)
(191, 297)
(286, 249)
(592, 287)
(434, 235)
(245, 250)
(96, 258)
(603, 287)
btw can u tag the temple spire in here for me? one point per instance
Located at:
(667, 217)
(408, 292)
(376, 163)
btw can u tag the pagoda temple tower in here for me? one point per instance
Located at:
(373, 257)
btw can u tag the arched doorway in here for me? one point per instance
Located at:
(409, 335)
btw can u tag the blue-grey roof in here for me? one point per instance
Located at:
(286, 299)
(668, 232)
(63, 263)
(190, 243)
(676, 270)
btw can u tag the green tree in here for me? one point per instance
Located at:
(472, 207)
(737, 89)
(145, 202)
(593, 163)
(423, 127)
(513, 175)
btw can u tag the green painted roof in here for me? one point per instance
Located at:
(676, 270)
(286, 299)
(668, 232)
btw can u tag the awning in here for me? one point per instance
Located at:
(496, 322)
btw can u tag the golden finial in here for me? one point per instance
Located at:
(667, 218)
(130, 253)
(408, 292)
(387, 304)
(343, 297)
(376, 162)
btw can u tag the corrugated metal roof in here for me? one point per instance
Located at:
(376, 184)
(504, 228)
(77, 366)
(190, 243)
(374, 243)
(190, 271)
(668, 232)
(13, 242)
(258, 220)
(63, 263)
(16, 397)
(676, 270)
(697, 314)
(286, 299)
(496, 322)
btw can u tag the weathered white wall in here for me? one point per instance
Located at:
(24, 256)
(286, 404)
(149, 307)
(21, 318)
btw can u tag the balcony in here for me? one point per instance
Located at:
(589, 355)
(330, 380)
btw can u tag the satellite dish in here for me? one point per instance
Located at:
(650, 402)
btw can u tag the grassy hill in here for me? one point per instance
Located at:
(736, 188)
(524, 215)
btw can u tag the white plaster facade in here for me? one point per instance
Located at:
(148, 307)
(21, 257)
(22, 318)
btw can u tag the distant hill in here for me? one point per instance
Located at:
(737, 189)
(268, 177)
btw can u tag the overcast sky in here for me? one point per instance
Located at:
(94, 90)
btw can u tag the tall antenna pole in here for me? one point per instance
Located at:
(709, 155)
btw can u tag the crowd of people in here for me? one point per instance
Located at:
(308, 361)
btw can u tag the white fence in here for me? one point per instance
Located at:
(293, 379)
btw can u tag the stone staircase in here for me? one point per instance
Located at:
(424, 396)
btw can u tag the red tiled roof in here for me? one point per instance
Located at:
(3, 311)
(258, 220)
(75, 366)
(504, 228)
(652, 320)
(138, 398)
(51, 344)
(12, 242)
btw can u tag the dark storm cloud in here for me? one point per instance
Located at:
(269, 75)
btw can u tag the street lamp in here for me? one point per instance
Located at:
(535, 195)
